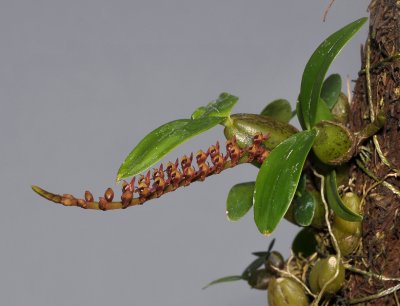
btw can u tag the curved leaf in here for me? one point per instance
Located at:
(318, 65)
(161, 141)
(335, 202)
(219, 108)
(278, 178)
(225, 279)
(279, 109)
(239, 201)
(331, 89)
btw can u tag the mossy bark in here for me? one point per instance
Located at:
(380, 90)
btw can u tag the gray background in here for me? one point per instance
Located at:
(80, 83)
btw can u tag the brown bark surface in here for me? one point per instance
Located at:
(380, 250)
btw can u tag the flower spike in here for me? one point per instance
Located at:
(159, 181)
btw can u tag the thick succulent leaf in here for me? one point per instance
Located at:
(304, 208)
(226, 279)
(278, 178)
(331, 89)
(323, 112)
(161, 141)
(317, 66)
(305, 242)
(239, 201)
(335, 202)
(279, 109)
(219, 108)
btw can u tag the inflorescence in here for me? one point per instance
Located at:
(160, 181)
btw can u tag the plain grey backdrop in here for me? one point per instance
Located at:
(81, 82)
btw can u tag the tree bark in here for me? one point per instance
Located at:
(380, 250)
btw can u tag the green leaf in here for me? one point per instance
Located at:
(323, 112)
(225, 279)
(300, 116)
(253, 266)
(335, 202)
(219, 108)
(161, 141)
(305, 242)
(239, 201)
(331, 89)
(279, 109)
(278, 178)
(317, 66)
(304, 208)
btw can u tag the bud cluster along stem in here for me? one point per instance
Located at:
(160, 181)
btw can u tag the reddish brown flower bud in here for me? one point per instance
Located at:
(68, 201)
(201, 157)
(103, 203)
(109, 195)
(68, 196)
(143, 190)
(203, 171)
(175, 179)
(82, 203)
(218, 162)
(88, 196)
(186, 162)
(126, 198)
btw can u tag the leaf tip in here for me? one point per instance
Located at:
(266, 233)
(36, 189)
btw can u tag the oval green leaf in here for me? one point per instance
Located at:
(239, 201)
(225, 279)
(335, 202)
(279, 109)
(331, 89)
(304, 208)
(161, 141)
(219, 108)
(278, 178)
(317, 66)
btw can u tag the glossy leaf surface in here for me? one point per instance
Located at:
(239, 201)
(335, 202)
(161, 141)
(331, 89)
(219, 108)
(279, 109)
(278, 178)
(304, 208)
(317, 66)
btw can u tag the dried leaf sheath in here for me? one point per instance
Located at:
(159, 181)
